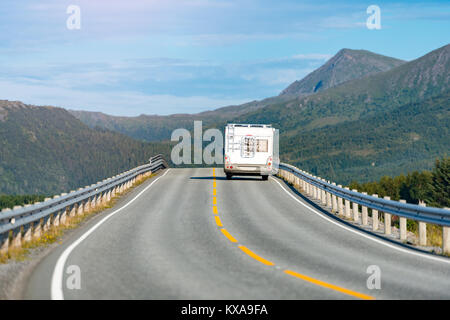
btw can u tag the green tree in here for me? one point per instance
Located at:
(439, 195)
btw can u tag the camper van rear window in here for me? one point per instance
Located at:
(248, 147)
(262, 145)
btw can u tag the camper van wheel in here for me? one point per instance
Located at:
(265, 178)
(229, 176)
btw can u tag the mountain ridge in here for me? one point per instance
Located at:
(346, 65)
(46, 150)
(156, 127)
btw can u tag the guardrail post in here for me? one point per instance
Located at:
(310, 189)
(73, 210)
(329, 205)
(364, 214)
(4, 238)
(324, 195)
(387, 219)
(55, 222)
(375, 221)
(446, 239)
(340, 204)
(314, 191)
(334, 205)
(46, 223)
(98, 200)
(319, 193)
(80, 208)
(4, 243)
(355, 209)
(63, 216)
(403, 224)
(347, 206)
(93, 202)
(89, 205)
(37, 229)
(16, 238)
(27, 229)
(422, 229)
(104, 198)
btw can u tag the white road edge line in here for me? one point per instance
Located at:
(362, 234)
(58, 273)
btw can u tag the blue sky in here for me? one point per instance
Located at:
(183, 56)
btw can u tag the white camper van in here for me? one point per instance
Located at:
(248, 150)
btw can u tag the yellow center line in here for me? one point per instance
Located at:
(328, 285)
(256, 257)
(269, 263)
(225, 232)
(218, 222)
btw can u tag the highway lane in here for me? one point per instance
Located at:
(168, 244)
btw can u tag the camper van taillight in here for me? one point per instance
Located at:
(269, 161)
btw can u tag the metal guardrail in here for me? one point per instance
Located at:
(14, 219)
(411, 211)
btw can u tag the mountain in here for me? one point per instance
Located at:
(340, 132)
(346, 65)
(392, 142)
(381, 123)
(411, 82)
(46, 150)
(158, 128)
(388, 122)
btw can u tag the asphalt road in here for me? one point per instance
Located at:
(168, 244)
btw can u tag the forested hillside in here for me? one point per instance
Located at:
(159, 128)
(408, 138)
(433, 187)
(45, 150)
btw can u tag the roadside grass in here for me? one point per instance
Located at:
(55, 233)
(434, 235)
